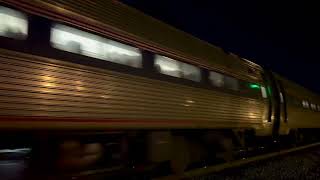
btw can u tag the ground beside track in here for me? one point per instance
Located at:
(298, 165)
(303, 164)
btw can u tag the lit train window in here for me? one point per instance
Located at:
(313, 107)
(220, 80)
(216, 79)
(318, 107)
(80, 42)
(13, 24)
(191, 72)
(167, 66)
(305, 104)
(231, 83)
(174, 68)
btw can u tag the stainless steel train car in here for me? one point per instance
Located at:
(70, 70)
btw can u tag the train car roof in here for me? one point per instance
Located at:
(297, 90)
(125, 23)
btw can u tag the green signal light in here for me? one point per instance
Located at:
(254, 86)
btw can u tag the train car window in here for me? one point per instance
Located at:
(318, 107)
(167, 66)
(76, 41)
(13, 24)
(305, 104)
(231, 83)
(191, 72)
(216, 79)
(313, 106)
(171, 67)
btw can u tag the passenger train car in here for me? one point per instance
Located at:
(91, 75)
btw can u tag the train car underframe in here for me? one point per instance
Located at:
(177, 150)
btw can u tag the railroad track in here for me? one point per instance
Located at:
(190, 174)
(237, 163)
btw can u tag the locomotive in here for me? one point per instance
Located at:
(96, 80)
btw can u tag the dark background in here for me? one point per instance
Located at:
(280, 36)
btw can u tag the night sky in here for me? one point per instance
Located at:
(282, 37)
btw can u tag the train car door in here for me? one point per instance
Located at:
(284, 129)
(274, 102)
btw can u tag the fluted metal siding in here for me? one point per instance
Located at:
(143, 29)
(302, 118)
(34, 86)
(299, 117)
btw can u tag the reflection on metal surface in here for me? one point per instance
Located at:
(49, 84)
(281, 97)
(252, 115)
(79, 93)
(79, 88)
(47, 90)
(105, 96)
(254, 86)
(189, 101)
(47, 78)
(263, 92)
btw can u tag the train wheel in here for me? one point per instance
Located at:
(298, 137)
(180, 155)
(228, 149)
(74, 155)
(227, 146)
